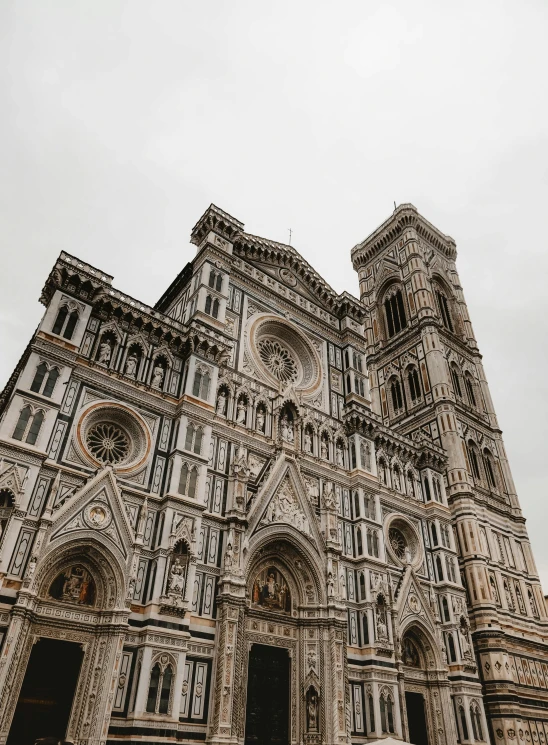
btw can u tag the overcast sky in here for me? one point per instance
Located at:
(122, 121)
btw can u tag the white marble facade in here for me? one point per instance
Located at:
(260, 463)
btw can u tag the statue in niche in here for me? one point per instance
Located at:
(177, 577)
(229, 557)
(158, 376)
(240, 412)
(105, 352)
(312, 710)
(397, 482)
(465, 638)
(330, 585)
(307, 442)
(131, 365)
(260, 420)
(410, 484)
(365, 453)
(287, 429)
(382, 624)
(222, 401)
(74, 585)
(271, 591)
(340, 455)
(330, 501)
(324, 450)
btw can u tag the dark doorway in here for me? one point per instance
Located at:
(45, 700)
(268, 692)
(416, 718)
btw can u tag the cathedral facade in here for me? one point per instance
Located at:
(263, 513)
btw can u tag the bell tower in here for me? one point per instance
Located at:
(427, 379)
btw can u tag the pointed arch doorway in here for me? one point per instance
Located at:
(47, 694)
(416, 684)
(268, 696)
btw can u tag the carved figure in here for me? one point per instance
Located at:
(340, 455)
(330, 586)
(177, 578)
(240, 412)
(307, 442)
(221, 403)
(260, 420)
(287, 429)
(229, 557)
(312, 711)
(105, 353)
(131, 365)
(329, 498)
(158, 376)
(324, 452)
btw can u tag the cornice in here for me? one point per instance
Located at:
(405, 216)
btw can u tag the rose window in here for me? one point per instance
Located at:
(398, 542)
(108, 443)
(111, 433)
(278, 360)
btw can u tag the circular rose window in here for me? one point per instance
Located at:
(283, 354)
(402, 541)
(109, 433)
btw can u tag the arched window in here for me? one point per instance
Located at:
(397, 399)
(455, 378)
(202, 379)
(443, 306)
(361, 582)
(192, 483)
(39, 376)
(215, 308)
(371, 713)
(445, 609)
(50, 382)
(387, 713)
(414, 384)
(532, 603)
(183, 479)
(208, 303)
(437, 488)
(153, 689)
(165, 691)
(464, 726)
(359, 541)
(357, 506)
(473, 458)
(439, 569)
(193, 439)
(28, 425)
(427, 489)
(395, 313)
(487, 462)
(434, 534)
(71, 325)
(35, 428)
(159, 690)
(365, 624)
(189, 436)
(451, 652)
(212, 278)
(219, 282)
(60, 320)
(469, 384)
(372, 543)
(65, 323)
(475, 717)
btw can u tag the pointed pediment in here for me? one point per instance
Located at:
(411, 602)
(10, 479)
(283, 501)
(97, 506)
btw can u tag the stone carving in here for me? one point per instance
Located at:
(131, 365)
(241, 412)
(285, 508)
(286, 426)
(158, 376)
(105, 352)
(222, 401)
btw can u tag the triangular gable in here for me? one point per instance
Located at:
(10, 479)
(96, 506)
(283, 501)
(411, 602)
(289, 279)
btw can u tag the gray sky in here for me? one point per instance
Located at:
(122, 121)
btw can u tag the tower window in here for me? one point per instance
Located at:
(455, 377)
(397, 398)
(473, 458)
(28, 426)
(414, 385)
(395, 313)
(65, 323)
(444, 310)
(470, 389)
